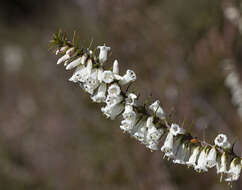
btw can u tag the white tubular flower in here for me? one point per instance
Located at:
(112, 111)
(202, 162)
(234, 170)
(211, 158)
(128, 113)
(182, 155)
(153, 134)
(167, 148)
(194, 156)
(100, 96)
(222, 166)
(176, 130)
(222, 141)
(107, 77)
(84, 58)
(115, 67)
(77, 73)
(113, 100)
(130, 76)
(103, 55)
(140, 133)
(74, 64)
(114, 90)
(130, 100)
(157, 110)
(63, 59)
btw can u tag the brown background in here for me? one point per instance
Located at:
(53, 138)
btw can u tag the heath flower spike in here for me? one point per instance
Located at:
(148, 125)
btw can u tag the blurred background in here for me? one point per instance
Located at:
(53, 138)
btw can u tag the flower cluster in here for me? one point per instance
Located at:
(147, 124)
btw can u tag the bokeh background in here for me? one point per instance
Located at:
(53, 138)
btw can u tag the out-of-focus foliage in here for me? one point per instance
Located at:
(53, 137)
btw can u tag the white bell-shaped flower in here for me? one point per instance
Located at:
(115, 67)
(154, 134)
(140, 134)
(234, 170)
(222, 165)
(113, 100)
(167, 148)
(130, 76)
(130, 100)
(114, 90)
(176, 129)
(128, 113)
(182, 154)
(112, 111)
(212, 157)
(103, 55)
(194, 156)
(100, 96)
(222, 141)
(107, 77)
(202, 162)
(157, 109)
